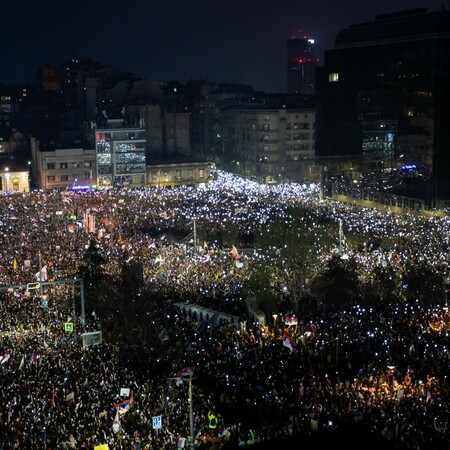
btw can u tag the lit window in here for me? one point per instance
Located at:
(333, 77)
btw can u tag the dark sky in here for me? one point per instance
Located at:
(241, 41)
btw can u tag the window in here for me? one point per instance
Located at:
(301, 137)
(178, 174)
(333, 77)
(63, 178)
(266, 138)
(266, 127)
(50, 166)
(50, 178)
(190, 174)
(166, 175)
(63, 165)
(201, 173)
(154, 175)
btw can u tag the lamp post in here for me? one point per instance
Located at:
(29, 175)
(6, 177)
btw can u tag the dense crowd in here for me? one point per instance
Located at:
(384, 370)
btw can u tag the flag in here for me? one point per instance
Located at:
(289, 342)
(42, 275)
(5, 357)
(22, 362)
(15, 264)
(291, 320)
(132, 400)
(91, 223)
(239, 261)
(187, 371)
(123, 407)
(181, 442)
(116, 423)
(234, 251)
(53, 399)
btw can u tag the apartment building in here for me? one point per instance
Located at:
(58, 167)
(278, 144)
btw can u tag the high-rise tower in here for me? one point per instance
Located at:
(301, 65)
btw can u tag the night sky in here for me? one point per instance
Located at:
(242, 41)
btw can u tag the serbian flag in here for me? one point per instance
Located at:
(123, 407)
(289, 342)
(291, 320)
(187, 371)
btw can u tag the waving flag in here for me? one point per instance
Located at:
(5, 357)
(187, 371)
(239, 261)
(123, 407)
(234, 251)
(42, 275)
(289, 342)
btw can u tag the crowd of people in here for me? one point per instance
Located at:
(384, 371)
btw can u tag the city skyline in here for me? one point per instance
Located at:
(223, 41)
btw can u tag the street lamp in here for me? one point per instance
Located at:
(6, 177)
(29, 174)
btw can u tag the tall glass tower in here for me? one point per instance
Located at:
(301, 65)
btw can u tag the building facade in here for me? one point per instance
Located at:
(55, 167)
(13, 177)
(178, 172)
(301, 65)
(120, 155)
(383, 93)
(273, 144)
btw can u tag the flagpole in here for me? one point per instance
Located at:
(191, 414)
(40, 274)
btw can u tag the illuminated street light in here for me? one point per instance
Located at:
(6, 178)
